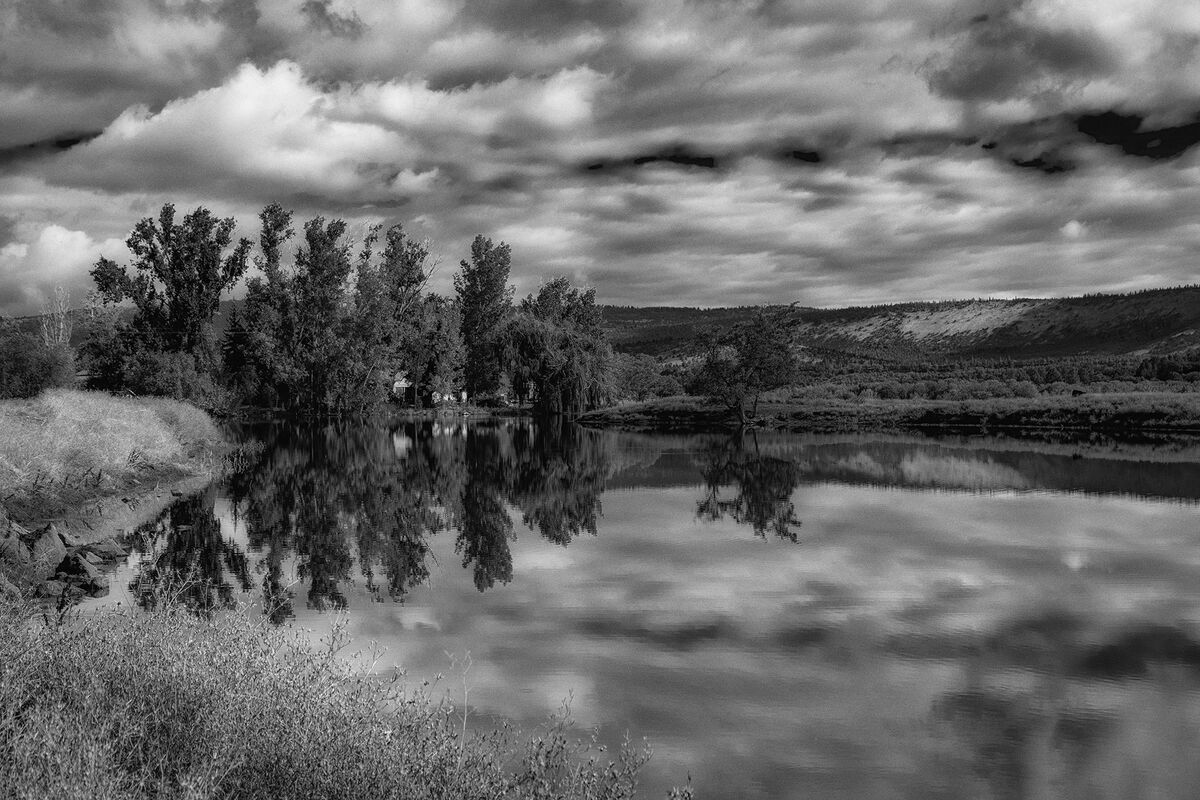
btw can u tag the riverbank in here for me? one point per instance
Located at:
(1123, 413)
(80, 469)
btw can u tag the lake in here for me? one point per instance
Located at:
(781, 616)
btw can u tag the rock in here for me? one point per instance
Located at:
(92, 557)
(99, 587)
(13, 550)
(79, 565)
(48, 551)
(51, 589)
(107, 549)
(7, 590)
(70, 540)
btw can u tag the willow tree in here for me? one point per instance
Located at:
(556, 350)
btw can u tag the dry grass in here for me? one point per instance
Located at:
(63, 435)
(162, 704)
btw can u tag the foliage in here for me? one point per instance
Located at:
(753, 357)
(485, 300)
(640, 376)
(163, 704)
(28, 366)
(557, 351)
(181, 270)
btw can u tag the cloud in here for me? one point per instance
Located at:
(30, 270)
(272, 134)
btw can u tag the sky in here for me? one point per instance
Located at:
(675, 152)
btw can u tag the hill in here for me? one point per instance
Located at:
(1154, 322)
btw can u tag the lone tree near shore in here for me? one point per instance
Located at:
(755, 356)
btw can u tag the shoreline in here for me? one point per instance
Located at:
(1127, 414)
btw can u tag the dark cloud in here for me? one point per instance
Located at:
(1009, 54)
(544, 18)
(1125, 131)
(18, 154)
(8, 228)
(680, 156)
(322, 18)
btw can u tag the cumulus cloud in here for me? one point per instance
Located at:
(54, 256)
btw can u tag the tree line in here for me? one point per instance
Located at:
(330, 328)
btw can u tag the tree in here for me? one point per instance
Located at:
(753, 357)
(181, 270)
(555, 346)
(322, 268)
(257, 351)
(485, 300)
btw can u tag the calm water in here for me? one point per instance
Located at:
(782, 616)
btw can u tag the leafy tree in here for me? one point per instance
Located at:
(436, 353)
(556, 348)
(181, 270)
(257, 355)
(485, 300)
(323, 266)
(753, 357)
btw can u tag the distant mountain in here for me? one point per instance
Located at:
(1157, 321)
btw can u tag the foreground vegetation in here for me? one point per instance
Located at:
(66, 444)
(163, 704)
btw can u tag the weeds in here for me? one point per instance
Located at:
(66, 443)
(163, 704)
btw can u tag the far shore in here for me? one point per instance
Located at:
(1128, 413)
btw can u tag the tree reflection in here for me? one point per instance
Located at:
(188, 560)
(761, 485)
(322, 502)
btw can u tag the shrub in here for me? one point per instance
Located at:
(162, 704)
(27, 366)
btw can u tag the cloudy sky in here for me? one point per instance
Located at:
(703, 152)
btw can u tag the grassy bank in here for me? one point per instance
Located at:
(64, 447)
(1111, 412)
(161, 704)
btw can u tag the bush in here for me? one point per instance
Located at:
(27, 366)
(162, 704)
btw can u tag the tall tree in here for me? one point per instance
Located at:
(181, 270)
(485, 300)
(323, 267)
(257, 348)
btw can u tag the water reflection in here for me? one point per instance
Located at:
(343, 496)
(762, 487)
(963, 618)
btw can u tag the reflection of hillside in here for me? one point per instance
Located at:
(1170, 471)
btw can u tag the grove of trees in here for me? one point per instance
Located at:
(328, 329)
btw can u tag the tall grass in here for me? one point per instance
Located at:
(162, 704)
(64, 433)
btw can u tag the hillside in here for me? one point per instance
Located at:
(1152, 322)
(1155, 322)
